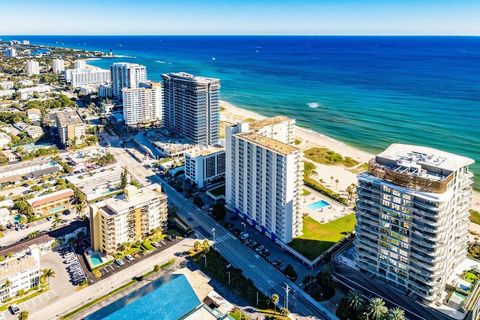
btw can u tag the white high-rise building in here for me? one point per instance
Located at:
(191, 107)
(263, 176)
(10, 52)
(205, 165)
(142, 106)
(32, 67)
(412, 218)
(79, 64)
(58, 65)
(126, 75)
(92, 76)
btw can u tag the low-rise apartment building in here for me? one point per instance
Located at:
(19, 273)
(55, 202)
(127, 218)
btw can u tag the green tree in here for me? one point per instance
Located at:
(376, 309)
(23, 207)
(23, 315)
(275, 298)
(355, 301)
(56, 221)
(197, 246)
(219, 212)
(396, 314)
(47, 274)
(124, 179)
(157, 268)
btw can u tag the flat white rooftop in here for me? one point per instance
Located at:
(419, 155)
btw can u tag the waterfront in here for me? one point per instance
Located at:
(368, 92)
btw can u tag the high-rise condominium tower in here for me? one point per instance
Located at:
(412, 218)
(191, 107)
(142, 106)
(264, 175)
(126, 75)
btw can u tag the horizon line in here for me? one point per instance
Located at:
(246, 35)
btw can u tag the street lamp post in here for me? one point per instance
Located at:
(244, 227)
(213, 233)
(228, 272)
(205, 258)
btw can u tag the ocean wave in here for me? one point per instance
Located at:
(162, 62)
(313, 105)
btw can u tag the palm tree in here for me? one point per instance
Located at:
(355, 300)
(79, 208)
(336, 184)
(157, 268)
(275, 298)
(351, 191)
(331, 180)
(284, 312)
(56, 221)
(23, 315)
(7, 284)
(197, 246)
(325, 277)
(47, 274)
(396, 314)
(376, 309)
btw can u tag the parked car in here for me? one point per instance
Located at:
(119, 262)
(129, 258)
(244, 236)
(14, 309)
(260, 248)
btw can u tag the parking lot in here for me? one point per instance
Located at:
(119, 264)
(266, 248)
(60, 285)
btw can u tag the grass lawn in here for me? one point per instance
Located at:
(475, 216)
(238, 315)
(318, 237)
(305, 192)
(330, 157)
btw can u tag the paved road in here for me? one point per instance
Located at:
(266, 278)
(354, 279)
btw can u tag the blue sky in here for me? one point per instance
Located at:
(453, 17)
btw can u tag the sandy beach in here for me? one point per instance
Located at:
(310, 138)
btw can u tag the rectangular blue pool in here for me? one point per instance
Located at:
(169, 297)
(318, 205)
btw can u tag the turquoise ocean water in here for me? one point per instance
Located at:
(366, 91)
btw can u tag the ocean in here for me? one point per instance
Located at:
(368, 92)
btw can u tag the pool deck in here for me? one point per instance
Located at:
(332, 212)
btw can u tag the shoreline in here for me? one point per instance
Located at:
(308, 136)
(311, 138)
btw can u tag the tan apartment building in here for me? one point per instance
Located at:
(127, 218)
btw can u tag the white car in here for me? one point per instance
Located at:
(244, 236)
(119, 262)
(129, 258)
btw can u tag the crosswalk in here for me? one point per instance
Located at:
(223, 238)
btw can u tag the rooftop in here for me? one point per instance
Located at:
(189, 77)
(272, 144)
(133, 197)
(204, 151)
(65, 118)
(268, 122)
(54, 196)
(14, 266)
(421, 161)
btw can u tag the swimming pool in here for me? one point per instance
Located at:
(318, 205)
(169, 297)
(96, 259)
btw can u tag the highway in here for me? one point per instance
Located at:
(265, 277)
